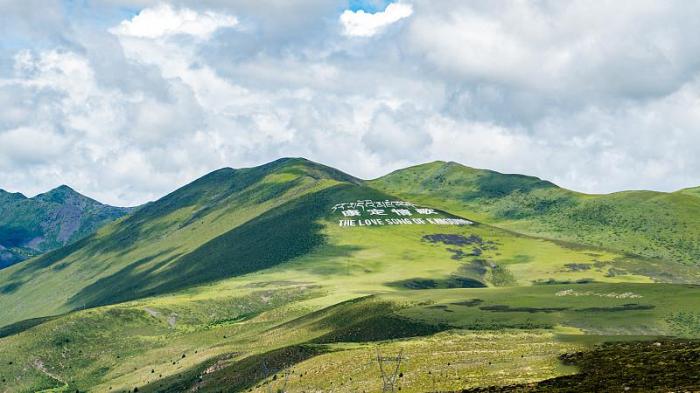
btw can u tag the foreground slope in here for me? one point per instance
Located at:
(651, 224)
(323, 315)
(31, 226)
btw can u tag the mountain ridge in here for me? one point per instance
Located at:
(31, 226)
(447, 164)
(639, 222)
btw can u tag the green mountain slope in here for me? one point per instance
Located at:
(324, 317)
(227, 223)
(232, 222)
(31, 226)
(695, 191)
(293, 271)
(650, 224)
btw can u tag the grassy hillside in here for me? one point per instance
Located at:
(319, 313)
(31, 226)
(233, 222)
(227, 223)
(690, 191)
(294, 273)
(651, 224)
(325, 328)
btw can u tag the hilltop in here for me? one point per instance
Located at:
(652, 224)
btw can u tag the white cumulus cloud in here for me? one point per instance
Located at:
(126, 109)
(163, 21)
(364, 24)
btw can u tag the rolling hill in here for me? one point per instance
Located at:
(32, 226)
(293, 274)
(651, 224)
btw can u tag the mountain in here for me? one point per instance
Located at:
(690, 191)
(295, 276)
(32, 226)
(646, 223)
(249, 218)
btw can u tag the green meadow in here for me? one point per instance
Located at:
(245, 281)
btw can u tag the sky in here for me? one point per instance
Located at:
(127, 100)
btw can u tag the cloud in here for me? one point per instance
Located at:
(134, 104)
(363, 24)
(20, 146)
(569, 49)
(164, 21)
(396, 134)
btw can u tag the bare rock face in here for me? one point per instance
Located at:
(32, 226)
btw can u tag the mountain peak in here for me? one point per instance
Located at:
(241, 175)
(308, 167)
(6, 195)
(31, 226)
(435, 168)
(62, 189)
(60, 194)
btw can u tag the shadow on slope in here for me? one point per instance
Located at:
(649, 366)
(367, 318)
(237, 376)
(364, 319)
(277, 236)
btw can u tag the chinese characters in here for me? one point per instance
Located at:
(376, 213)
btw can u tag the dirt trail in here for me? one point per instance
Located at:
(39, 365)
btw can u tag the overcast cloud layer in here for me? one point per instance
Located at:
(128, 100)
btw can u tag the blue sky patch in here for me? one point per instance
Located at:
(370, 6)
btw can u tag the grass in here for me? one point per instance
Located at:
(224, 325)
(442, 362)
(594, 309)
(650, 366)
(651, 224)
(182, 236)
(233, 222)
(250, 267)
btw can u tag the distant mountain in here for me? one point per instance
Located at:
(32, 226)
(647, 223)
